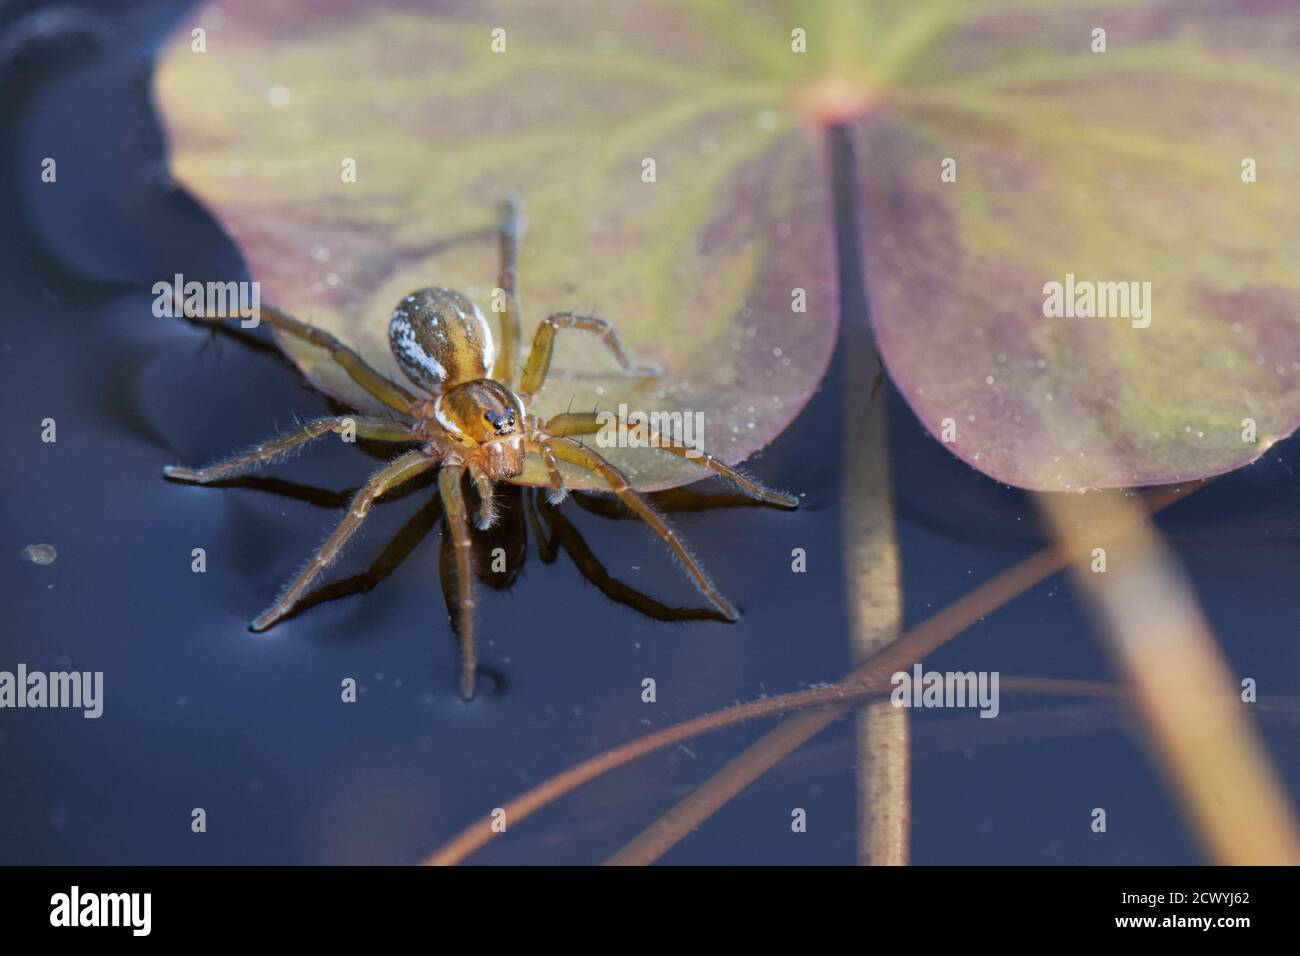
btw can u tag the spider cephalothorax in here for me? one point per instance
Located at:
(491, 417)
(467, 417)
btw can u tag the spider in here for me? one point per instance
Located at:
(466, 411)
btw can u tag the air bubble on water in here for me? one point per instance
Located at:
(39, 553)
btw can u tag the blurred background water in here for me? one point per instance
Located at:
(200, 713)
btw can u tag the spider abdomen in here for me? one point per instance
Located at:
(440, 339)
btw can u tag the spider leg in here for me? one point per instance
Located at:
(539, 358)
(586, 423)
(542, 447)
(390, 476)
(453, 505)
(487, 509)
(377, 429)
(582, 456)
(564, 535)
(508, 234)
(389, 392)
(397, 550)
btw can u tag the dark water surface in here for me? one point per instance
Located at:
(201, 713)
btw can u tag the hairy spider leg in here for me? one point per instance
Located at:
(557, 491)
(539, 357)
(376, 429)
(587, 423)
(508, 235)
(387, 391)
(563, 535)
(390, 476)
(453, 506)
(582, 456)
(487, 508)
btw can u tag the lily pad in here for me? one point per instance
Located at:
(1124, 161)
(1125, 166)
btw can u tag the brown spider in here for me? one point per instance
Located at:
(468, 416)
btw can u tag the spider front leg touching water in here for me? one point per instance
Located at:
(453, 506)
(571, 451)
(376, 429)
(400, 469)
(588, 423)
(550, 442)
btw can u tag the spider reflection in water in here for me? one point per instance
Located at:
(468, 417)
